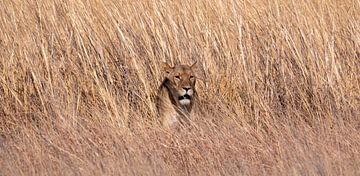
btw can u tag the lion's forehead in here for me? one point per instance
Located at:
(183, 70)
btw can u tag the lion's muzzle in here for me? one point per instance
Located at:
(185, 99)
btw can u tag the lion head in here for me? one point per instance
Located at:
(182, 81)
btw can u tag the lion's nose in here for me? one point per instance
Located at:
(186, 88)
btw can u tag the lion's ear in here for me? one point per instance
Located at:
(166, 67)
(194, 65)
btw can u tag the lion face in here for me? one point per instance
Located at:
(182, 79)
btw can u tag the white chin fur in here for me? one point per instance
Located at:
(184, 101)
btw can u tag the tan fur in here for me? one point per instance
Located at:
(176, 94)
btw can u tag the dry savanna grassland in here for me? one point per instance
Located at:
(278, 87)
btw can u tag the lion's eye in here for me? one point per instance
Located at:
(191, 77)
(177, 77)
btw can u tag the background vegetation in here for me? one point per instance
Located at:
(279, 93)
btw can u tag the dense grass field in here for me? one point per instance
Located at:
(278, 85)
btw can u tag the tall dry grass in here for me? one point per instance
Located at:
(280, 96)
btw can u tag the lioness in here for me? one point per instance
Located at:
(176, 94)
